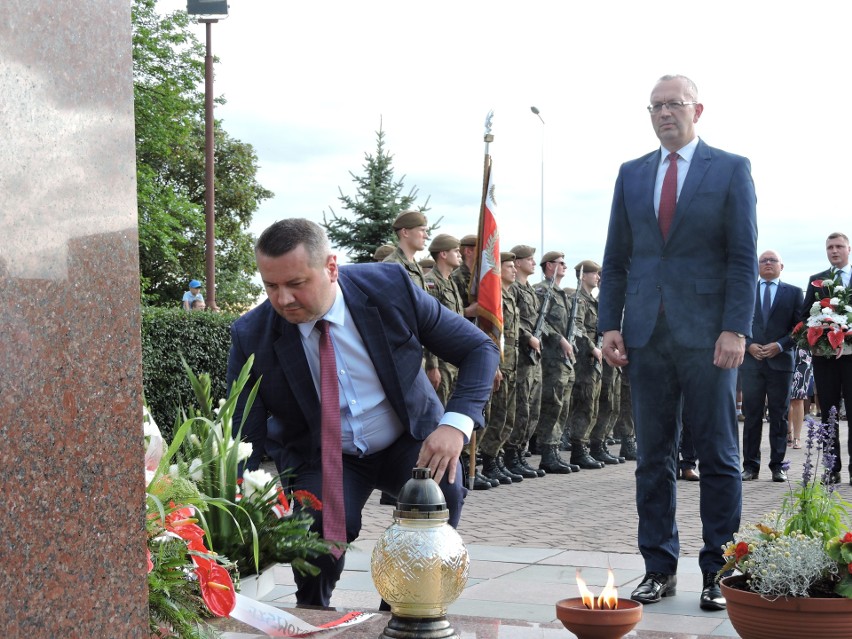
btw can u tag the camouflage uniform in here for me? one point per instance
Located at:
(609, 402)
(587, 386)
(529, 370)
(413, 268)
(461, 277)
(557, 374)
(445, 291)
(502, 417)
(624, 428)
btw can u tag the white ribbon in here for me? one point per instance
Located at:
(276, 622)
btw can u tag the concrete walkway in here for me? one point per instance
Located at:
(528, 540)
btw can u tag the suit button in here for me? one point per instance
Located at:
(659, 288)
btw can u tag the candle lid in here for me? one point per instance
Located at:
(421, 497)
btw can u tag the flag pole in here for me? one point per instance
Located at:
(488, 318)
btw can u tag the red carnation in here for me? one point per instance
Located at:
(847, 538)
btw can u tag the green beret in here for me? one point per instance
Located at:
(409, 220)
(551, 256)
(588, 267)
(507, 257)
(427, 262)
(443, 242)
(382, 252)
(522, 251)
(468, 240)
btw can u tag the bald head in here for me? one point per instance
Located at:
(770, 265)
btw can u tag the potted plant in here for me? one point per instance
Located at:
(795, 564)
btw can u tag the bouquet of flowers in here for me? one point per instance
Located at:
(826, 329)
(186, 581)
(258, 523)
(805, 550)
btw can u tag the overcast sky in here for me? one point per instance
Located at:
(308, 83)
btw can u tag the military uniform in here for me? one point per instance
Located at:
(624, 428)
(446, 292)
(557, 374)
(582, 423)
(412, 267)
(461, 276)
(501, 419)
(609, 403)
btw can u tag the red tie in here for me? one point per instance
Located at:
(333, 510)
(668, 196)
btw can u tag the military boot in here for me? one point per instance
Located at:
(492, 471)
(515, 462)
(565, 442)
(550, 461)
(479, 482)
(522, 463)
(598, 451)
(628, 449)
(580, 456)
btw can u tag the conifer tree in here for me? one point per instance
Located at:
(376, 204)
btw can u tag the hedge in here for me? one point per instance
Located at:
(203, 339)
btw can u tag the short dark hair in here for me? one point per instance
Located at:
(837, 234)
(285, 235)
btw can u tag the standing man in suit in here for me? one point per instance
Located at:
(832, 375)
(676, 303)
(767, 370)
(390, 417)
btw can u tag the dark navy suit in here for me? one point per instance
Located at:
(768, 381)
(395, 320)
(671, 300)
(832, 375)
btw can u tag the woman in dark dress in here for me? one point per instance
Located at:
(798, 396)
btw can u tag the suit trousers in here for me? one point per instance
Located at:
(666, 377)
(763, 385)
(833, 381)
(388, 471)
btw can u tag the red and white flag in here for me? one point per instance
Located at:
(489, 292)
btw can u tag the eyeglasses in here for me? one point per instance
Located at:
(768, 260)
(674, 105)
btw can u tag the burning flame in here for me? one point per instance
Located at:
(608, 599)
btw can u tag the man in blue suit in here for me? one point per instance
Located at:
(767, 370)
(677, 297)
(391, 418)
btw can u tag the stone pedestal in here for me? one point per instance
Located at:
(71, 523)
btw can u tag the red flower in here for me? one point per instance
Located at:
(307, 498)
(217, 588)
(817, 283)
(741, 550)
(835, 338)
(825, 302)
(798, 327)
(847, 538)
(814, 333)
(182, 523)
(849, 568)
(150, 563)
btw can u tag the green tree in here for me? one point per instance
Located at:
(168, 72)
(377, 202)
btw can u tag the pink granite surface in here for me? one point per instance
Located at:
(72, 545)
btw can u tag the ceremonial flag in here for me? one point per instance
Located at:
(486, 274)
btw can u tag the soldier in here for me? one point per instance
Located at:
(411, 233)
(624, 428)
(587, 386)
(502, 416)
(609, 404)
(427, 264)
(382, 252)
(444, 250)
(557, 371)
(461, 276)
(528, 372)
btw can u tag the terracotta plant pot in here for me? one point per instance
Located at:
(598, 624)
(757, 617)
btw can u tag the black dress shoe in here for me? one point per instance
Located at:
(779, 475)
(689, 474)
(655, 586)
(750, 475)
(711, 593)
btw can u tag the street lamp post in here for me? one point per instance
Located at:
(538, 113)
(209, 9)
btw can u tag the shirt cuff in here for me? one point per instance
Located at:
(459, 422)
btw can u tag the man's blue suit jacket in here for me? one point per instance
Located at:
(704, 274)
(783, 316)
(395, 320)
